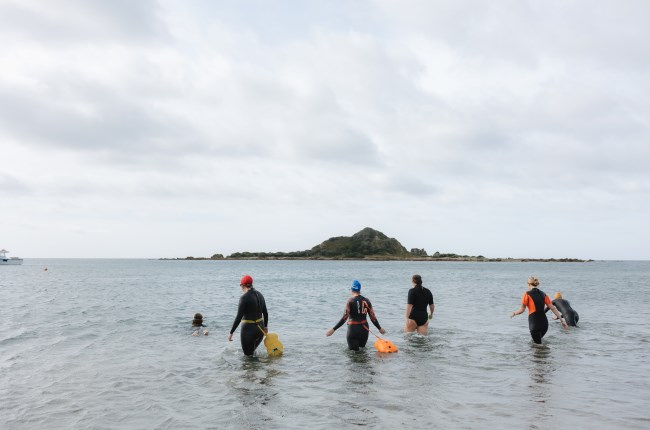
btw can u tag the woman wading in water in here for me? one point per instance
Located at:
(417, 317)
(535, 299)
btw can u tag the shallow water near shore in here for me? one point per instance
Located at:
(106, 344)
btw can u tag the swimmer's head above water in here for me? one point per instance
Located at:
(356, 286)
(198, 320)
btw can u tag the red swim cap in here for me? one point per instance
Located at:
(246, 280)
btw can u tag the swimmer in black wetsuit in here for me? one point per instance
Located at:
(417, 317)
(535, 300)
(253, 316)
(197, 325)
(570, 315)
(356, 309)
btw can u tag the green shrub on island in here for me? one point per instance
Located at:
(366, 243)
(457, 256)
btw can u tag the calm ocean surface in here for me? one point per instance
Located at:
(106, 344)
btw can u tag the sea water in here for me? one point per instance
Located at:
(106, 344)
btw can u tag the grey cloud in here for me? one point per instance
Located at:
(338, 144)
(361, 92)
(612, 34)
(12, 186)
(80, 21)
(114, 127)
(289, 20)
(411, 185)
(105, 122)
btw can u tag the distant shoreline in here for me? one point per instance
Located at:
(370, 245)
(379, 258)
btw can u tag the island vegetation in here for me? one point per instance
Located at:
(367, 244)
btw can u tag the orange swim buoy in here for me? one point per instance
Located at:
(384, 345)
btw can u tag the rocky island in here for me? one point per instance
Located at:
(367, 244)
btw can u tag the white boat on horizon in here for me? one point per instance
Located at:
(6, 261)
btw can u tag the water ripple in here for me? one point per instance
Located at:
(105, 344)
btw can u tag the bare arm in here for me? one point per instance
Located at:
(409, 308)
(521, 309)
(432, 307)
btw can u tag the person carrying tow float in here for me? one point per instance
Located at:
(253, 315)
(356, 310)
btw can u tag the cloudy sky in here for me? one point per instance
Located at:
(174, 128)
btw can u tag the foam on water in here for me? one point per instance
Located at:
(106, 344)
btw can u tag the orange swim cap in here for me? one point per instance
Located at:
(557, 295)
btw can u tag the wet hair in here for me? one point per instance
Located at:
(418, 280)
(198, 320)
(533, 281)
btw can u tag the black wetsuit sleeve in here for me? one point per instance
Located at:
(346, 314)
(373, 318)
(265, 313)
(546, 308)
(240, 315)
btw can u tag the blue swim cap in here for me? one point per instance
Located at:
(356, 286)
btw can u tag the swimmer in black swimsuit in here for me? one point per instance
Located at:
(570, 315)
(356, 309)
(253, 316)
(417, 317)
(535, 300)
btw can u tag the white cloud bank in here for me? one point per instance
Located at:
(147, 129)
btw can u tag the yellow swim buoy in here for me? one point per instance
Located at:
(273, 345)
(384, 345)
